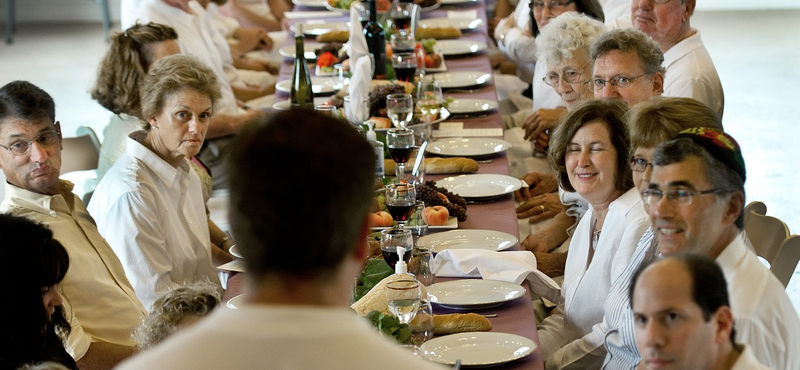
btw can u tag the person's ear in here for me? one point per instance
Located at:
(658, 83)
(734, 207)
(690, 4)
(60, 136)
(724, 320)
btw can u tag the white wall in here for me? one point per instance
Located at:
(89, 10)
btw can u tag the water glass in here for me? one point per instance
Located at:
(400, 109)
(416, 224)
(422, 326)
(422, 265)
(402, 42)
(328, 110)
(429, 98)
(353, 115)
(403, 297)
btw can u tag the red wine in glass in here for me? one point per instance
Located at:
(405, 74)
(403, 23)
(390, 255)
(400, 210)
(401, 154)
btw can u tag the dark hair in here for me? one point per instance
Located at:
(301, 183)
(612, 113)
(30, 259)
(721, 177)
(661, 118)
(24, 100)
(709, 290)
(591, 8)
(125, 64)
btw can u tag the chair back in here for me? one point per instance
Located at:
(80, 152)
(786, 261)
(766, 233)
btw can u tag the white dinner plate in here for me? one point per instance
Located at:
(319, 85)
(285, 105)
(316, 28)
(482, 186)
(464, 24)
(236, 302)
(235, 251)
(474, 293)
(468, 147)
(458, 2)
(458, 47)
(453, 80)
(310, 47)
(452, 223)
(468, 239)
(477, 348)
(471, 106)
(425, 9)
(313, 3)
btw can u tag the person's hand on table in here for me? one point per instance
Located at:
(538, 123)
(540, 207)
(551, 264)
(538, 183)
(550, 237)
(252, 38)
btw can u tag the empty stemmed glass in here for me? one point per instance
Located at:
(400, 142)
(403, 297)
(400, 200)
(400, 109)
(429, 98)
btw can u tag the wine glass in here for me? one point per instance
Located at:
(393, 238)
(328, 110)
(429, 98)
(402, 42)
(401, 14)
(400, 109)
(356, 116)
(405, 66)
(400, 200)
(403, 297)
(416, 223)
(400, 142)
(422, 326)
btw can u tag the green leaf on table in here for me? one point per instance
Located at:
(375, 271)
(390, 326)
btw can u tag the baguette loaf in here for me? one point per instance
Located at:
(334, 36)
(439, 33)
(437, 165)
(460, 323)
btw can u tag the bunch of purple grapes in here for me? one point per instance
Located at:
(377, 98)
(429, 193)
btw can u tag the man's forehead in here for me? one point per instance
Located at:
(688, 172)
(14, 126)
(619, 62)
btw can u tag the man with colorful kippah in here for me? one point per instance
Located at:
(695, 200)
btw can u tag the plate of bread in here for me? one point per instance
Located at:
(474, 293)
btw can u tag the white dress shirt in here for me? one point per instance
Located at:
(102, 303)
(691, 74)
(587, 282)
(153, 216)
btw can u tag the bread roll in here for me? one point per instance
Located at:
(437, 165)
(439, 33)
(375, 300)
(334, 36)
(460, 323)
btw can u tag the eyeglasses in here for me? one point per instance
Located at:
(552, 4)
(619, 82)
(677, 196)
(639, 164)
(570, 75)
(22, 147)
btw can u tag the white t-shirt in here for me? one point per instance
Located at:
(691, 74)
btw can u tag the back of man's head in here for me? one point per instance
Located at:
(26, 101)
(301, 187)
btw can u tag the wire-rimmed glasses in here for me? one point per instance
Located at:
(640, 164)
(22, 147)
(620, 82)
(676, 196)
(572, 76)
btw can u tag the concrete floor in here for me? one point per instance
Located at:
(756, 54)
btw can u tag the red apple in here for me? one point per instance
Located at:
(381, 219)
(436, 215)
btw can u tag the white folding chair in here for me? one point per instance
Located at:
(79, 161)
(786, 262)
(771, 239)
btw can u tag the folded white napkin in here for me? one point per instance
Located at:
(462, 14)
(357, 44)
(359, 86)
(312, 14)
(513, 267)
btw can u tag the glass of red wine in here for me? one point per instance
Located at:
(405, 66)
(401, 200)
(402, 14)
(400, 142)
(393, 238)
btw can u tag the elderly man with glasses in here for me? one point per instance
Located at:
(102, 306)
(690, 70)
(695, 197)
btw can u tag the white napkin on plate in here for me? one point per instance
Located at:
(514, 267)
(359, 86)
(357, 44)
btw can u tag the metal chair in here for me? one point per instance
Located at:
(771, 239)
(11, 27)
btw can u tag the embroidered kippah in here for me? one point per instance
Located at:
(720, 145)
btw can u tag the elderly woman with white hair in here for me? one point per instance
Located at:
(564, 46)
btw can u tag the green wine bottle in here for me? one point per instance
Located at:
(302, 95)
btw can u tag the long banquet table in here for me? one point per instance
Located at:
(516, 316)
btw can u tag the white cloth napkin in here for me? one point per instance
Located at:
(311, 15)
(357, 44)
(359, 86)
(513, 267)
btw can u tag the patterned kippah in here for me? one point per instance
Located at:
(719, 144)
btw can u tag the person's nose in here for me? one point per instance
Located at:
(607, 92)
(661, 208)
(643, 4)
(563, 85)
(584, 158)
(37, 152)
(194, 125)
(654, 335)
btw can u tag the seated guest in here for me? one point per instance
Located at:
(296, 289)
(589, 150)
(131, 55)
(149, 206)
(103, 306)
(627, 66)
(690, 70)
(32, 264)
(266, 14)
(176, 310)
(683, 319)
(695, 198)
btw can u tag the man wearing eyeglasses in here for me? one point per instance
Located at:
(695, 199)
(690, 70)
(101, 304)
(627, 66)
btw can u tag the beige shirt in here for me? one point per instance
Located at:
(98, 299)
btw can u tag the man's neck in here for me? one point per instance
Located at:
(728, 358)
(730, 233)
(686, 32)
(302, 291)
(182, 5)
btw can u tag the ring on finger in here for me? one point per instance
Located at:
(542, 207)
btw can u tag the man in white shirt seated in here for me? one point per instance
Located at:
(100, 303)
(690, 70)
(303, 243)
(695, 199)
(683, 319)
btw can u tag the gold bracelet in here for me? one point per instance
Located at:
(224, 239)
